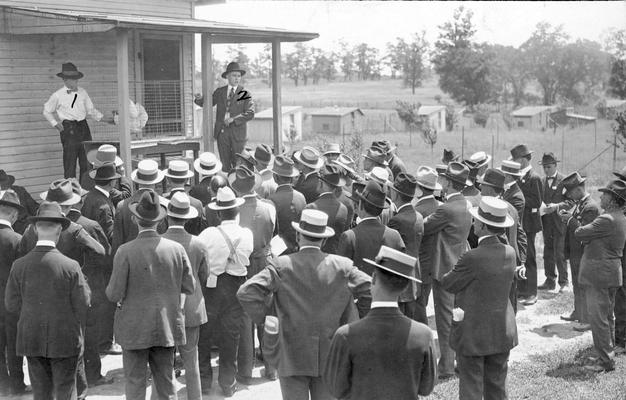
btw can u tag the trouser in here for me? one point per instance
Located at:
(483, 377)
(421, 303)
(189, 354)
(81, 378)
(225, 315)
(600, 304)
(53, 378)
(92, 329)
(301, 387)
(161, 361)
(580, 303)
(228, 146)
(554, 254)
(620, 316)
(106, 313)
(513, 295)
(528, 287)
(72, 137)
(11, 368)
(444, 302)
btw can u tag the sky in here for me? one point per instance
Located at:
(377, 23)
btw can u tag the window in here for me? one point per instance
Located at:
(520, 124)
(325, 127)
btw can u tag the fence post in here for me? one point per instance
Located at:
(614, 149)
(462, 142)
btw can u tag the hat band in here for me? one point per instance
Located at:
(306, 226)
(207, 166)
(228, 203)
(510, 169)
(58, 196)
(177, 173)
(177, 210)
(491, 217)
(147, 177)
(399, 267)
(106, 158)
(147, 213)
(308, 160)
(367, 196)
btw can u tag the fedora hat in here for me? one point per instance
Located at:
(493, 212)
(620, 174)
(357, 187)
(314, 223)
(396, 262)
(105, 172)
(283, 166)
(11, 199)
(458, 173)
(246, 158)
(225, 199)
(69, 71)
(332, 175)
(147, 173)
(493, 177)
(548, 158)
(441, 168)
(332, 148)
(263, 154)
(207, 164)
(61, 192)
(383, 145)
(519, 151)
(243, 180)
(50, 212)
(380, 175)
(233, 67)
(449, 156)
(373, 194)
(376, 155)
(347, 164)
(572, 181)
(405, 184)
(426, 177)
(511, 168)
(76, 188)
(149, 207)
(615, 187)
(477, 160)
(309, 157)
(6, 179)
(178, 169)
(179, 206)
(104, 154)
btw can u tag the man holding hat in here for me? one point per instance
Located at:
(29, 205)
(177, 175)
(483, 327)
(384, 355)
(47, 289)
(308, 161)
(149, 275)
(263, 158)
(234, 109)
(207, 166)
(312, 292)
(72, 106)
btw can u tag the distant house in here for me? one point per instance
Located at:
(436, 116)
(533, 117)
(260, 129)
(337, 120)
(611, 108)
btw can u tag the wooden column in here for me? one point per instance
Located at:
(277, 114)
(123, 98)
(207, 93)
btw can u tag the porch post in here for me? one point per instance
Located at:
(207, 93)
(277, 114)
(123, 98)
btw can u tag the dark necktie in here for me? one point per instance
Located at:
(231, 94)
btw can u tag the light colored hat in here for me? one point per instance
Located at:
(310, 157)
(493, 212)
(179, 206)
(332, 148)
(478, 160)
(314, 223)
(380, 175)
(104, 154)
(178, 169)
(346, 162)
(207, 164)
(511, 168)
(147, 173)
(225, 199)
(396, 262)
(427, 178)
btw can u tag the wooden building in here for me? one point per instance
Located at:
(140, 50)
(435, 116)
(532, 117)
(260, 128)
(337, 120)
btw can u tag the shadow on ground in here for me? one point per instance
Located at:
(560, 330)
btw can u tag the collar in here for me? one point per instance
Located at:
(177, 189)
(480, 239)
(48, 243)
(248, 196)
(283, 185)
(6, 223)
(104, 192)
(176, 227)
(366, 219)
(524, 171)
(229, 222)
(509, 185)
(309, 247)
(449, 196)
(324, 193)
(310, 173)
(553, 176)
(147, 230)
(405, 205)
(430, 196)
(384, 304)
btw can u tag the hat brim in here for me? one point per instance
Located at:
(518, 174)
(320, 162)
(385, 163)
(188, 175)
(158, 179)
(328, 232)
(395, 189)
(237, 185)
(507, 223)
(64, 75)
(19, 207)
(191, 214)
(203, 171)
(75, 199)
(361, 197)
(92, 175)
(619, 176)
(482, 163)
(466, 183)
(436, 187)
(238, 202)
(91, 157)
(482, 182)
(225, 73)
(522, 155)
(344, 166)
(613, 192)
(162, 212)
(331, 152)
(368, 176)
(65, 223)
(572, 187)
(9, 178)
(341, 183)
(375, 264)
(294, 173)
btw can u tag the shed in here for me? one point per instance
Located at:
(337, 120)
(435, 116)
(119, 46)
(532, 117)
(611, 108)
(260, 128)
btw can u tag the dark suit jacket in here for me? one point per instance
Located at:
(311, 291)
(91, 258)
(308, 186)
(516, 236)
(531, 186)
(196, 225)
(349, 206)
(604, 239)
(515, 196)
(30, 205)
(450, 224)
(258, 215)
(9, 243)
(122, 189)
(553, 194)
(585, 212)
(240, 110)
(49, 292)
(396, 165)
(337, 218)
(98, 207)
(426, 207)
(201, 191)
(289, 204)
(383, 356)
(410, 225)
(482, 281)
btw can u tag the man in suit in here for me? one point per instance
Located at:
(48, 289)
(601, 270)
(477, 164)
(123, 187)
(29, 205)
(330, 178)
(385, 355)
(311, 290)
(179, 211)
(308, 161)
(553, 227)
(289, 202)
(484, 330)
(367, 237)
(586, 209)
(620, 297)
(149, 275)
(450, 225)
(530, 184)
(512, 193)
(97, 204)
(177, 174)
(207, 166)
(396, 165)
(235, 108)
(426, 205)
(263, 158)
(375, 157)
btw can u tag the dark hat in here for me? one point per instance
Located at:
(458, 173)
(332, 175)
(148, 207)
(441, 168)
(314, 223)
(405, 184)
(615, 187)
(357, 187)
(247, 158)
(217, 181)
(449, 156)
(396, 262)
(233, 67)
(76, 188)
(6, 178)
(572, 181)
(283, 166)
(548, 158)
(621, 174)
(376, 155)
(50, 212)
(61, 192)
(493, 177)
(69, 71)
(520, 151)
(243, 180)
(347, 164)
(384, 145)
(263, 154)
(373, 194)
(106, 172)
(11, 199)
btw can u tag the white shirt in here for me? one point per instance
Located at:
(6, 223)
(382, 304)
(480, 239)
(98, 188)
(452, 194)
(74, 106)
(218, 249)
(48, 243)
(309, 247)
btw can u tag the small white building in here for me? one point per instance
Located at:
(436, 116)
(260, 129)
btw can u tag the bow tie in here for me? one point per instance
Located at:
(70, 91)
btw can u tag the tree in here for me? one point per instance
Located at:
(510, 74)
(323, 65)
(394, 56)
(306, 64)
(615, 45)
(583, 67)
(412, 60)
(347, 61)
(238, 54)
(292, 67)
(367, 62)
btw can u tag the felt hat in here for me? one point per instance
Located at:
(283, 166)
(76, 188)
(519, 151)
(373, 194)
(493, 212)
(426, 177)
(621, 174)
(458, 173)
(11, 199)
(50, 212)
(225, 199)
(309, 157)
(511, 168)
(207, 164)
(347, 164)
(615, 187)
(477, 160)
(548, 158)
(147, 173)
(69, 71)
(357, 187)
(178, 169)
(493, 177)
(61, 192)
(148, 208)
(396, 262)
(384, 145)
(376, 155)
(380, 175)
(243, 180)
(233, 67)
(179, 206)
(246, 158)
(449, 156)
(332, 175)
(405, 184)
(105, 172)
(6, 179)
(332, 148)
(572, 181)
(441, 168)
(104, 154)
(314, 223)
(263, 154)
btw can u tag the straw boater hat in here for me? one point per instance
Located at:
(148, 208)
(233, 67)
(478, 160)
(178, 169)
(11, 199)
(283, 166)
(179, 206)
(225, 200)
(332, 148)
(405, 184)
(61, 192)
(104, 154)
(458, 173)
(147, 173)
(50, 212)
(572, 181)
(309, 157)
(243, 180)
(426, 177)
(548, 158)
(207, 164)
(493, 212)
(69, 71)
(396, 262)
(616, 188)
(511, 168)
(314, 223)
(105, 172)
(332, 175)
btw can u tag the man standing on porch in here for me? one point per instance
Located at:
(234, 109)
(72, 105)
